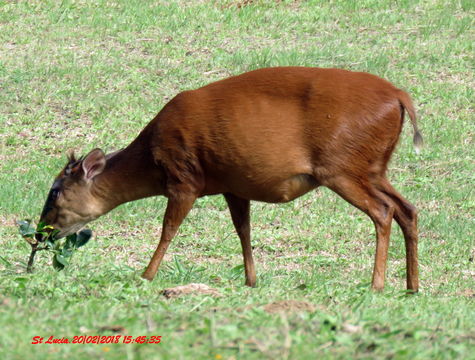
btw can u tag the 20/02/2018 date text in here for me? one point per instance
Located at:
(97, 339)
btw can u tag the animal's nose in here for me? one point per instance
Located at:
(39, 237)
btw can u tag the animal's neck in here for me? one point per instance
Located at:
(130, 174)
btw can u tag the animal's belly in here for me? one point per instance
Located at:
(278, 191)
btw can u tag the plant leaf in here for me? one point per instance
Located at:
(83, 237)
(70, 240)
(57, 265)
(69, 246)
(25, 228)
(59, 262)
(67, 252)
(40, 226)
(49, 244)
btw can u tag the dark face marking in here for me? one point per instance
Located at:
(57, 186)
(52, 196)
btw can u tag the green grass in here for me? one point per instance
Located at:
(80, 74)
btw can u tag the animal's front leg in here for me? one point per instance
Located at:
(178, 207)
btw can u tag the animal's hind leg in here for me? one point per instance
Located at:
(406, 216)
(362, 194)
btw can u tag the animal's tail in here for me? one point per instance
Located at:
(406, 102)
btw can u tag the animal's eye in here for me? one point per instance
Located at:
(54, 193)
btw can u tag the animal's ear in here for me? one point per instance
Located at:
(94, 163)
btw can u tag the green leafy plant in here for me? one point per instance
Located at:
(62, 250)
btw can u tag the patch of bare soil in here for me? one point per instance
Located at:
(4, 302)
(190, 289)
(289, 306)
(468, 293)
(112, 328)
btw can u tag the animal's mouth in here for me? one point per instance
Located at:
(62, 234)
(55, 233)
(44, 233)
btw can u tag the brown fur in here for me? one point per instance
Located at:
(269, 135)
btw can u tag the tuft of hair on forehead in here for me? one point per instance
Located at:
(71, 155)
(73, 162)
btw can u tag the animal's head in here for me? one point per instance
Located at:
(71, 201)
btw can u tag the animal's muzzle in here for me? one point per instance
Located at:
(39, 237)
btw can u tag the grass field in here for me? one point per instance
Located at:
(83, 74)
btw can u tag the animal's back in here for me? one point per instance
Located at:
(274, 134)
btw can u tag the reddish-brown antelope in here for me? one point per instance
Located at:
(268, 135)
